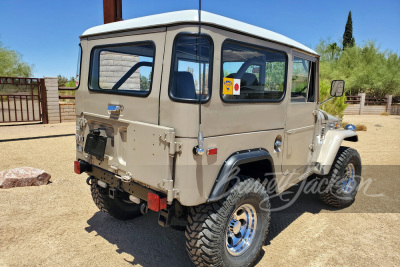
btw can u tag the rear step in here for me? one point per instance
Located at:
(165, 217)
(112, 192)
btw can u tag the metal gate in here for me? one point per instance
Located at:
(22, 100)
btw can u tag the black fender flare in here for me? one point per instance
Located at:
(233, 161)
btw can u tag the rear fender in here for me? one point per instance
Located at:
(227, 172)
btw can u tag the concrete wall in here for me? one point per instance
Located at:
(53, 106)
(362, 109)
(352, 109)
(67, 112)
(374, 110)
(113, 66)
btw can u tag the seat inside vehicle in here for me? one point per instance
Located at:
(247, 79)
(183, 85)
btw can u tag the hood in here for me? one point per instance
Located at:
(327, 118)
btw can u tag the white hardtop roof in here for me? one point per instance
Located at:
(191, 16)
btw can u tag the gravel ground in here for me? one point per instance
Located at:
(59, 224)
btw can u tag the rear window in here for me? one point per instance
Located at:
(122, 69)
(191, 68)
(252, 73)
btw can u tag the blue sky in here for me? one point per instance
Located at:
(46, 32)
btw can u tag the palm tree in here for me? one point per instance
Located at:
(334, 49)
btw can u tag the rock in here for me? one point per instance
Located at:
(24, 176)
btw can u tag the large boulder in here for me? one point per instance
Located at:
(24, 176)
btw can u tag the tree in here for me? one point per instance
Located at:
(62, 81)
(334, 50)
(365, 69)
(11, 64)
(71, 82)
(144, 83)
(348, 38)
(328, 50)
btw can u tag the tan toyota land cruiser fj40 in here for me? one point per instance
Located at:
(194, 120)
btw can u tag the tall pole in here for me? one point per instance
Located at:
(112, 10)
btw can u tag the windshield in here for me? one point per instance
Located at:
(78, 67)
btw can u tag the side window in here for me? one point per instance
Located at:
(191, 68)
(251, 73)
(125, 68)
(303, 80)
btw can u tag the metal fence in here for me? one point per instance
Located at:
(369, 101)
(22, 100)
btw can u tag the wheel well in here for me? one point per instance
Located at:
(256, 163)
(352, 138)
(261, 169)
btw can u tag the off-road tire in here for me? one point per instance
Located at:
(117, 207)
(331, 192)
(207, 226)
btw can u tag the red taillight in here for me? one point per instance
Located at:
(163, 203)
(212, 151)
(77, 167)
(154, 202)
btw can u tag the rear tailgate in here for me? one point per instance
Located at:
(127, 117)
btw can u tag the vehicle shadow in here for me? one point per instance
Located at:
(143, 238)
(295, 202)
(153, 245)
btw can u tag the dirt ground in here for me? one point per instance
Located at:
(58, 224)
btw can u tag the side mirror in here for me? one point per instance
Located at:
(337, 88)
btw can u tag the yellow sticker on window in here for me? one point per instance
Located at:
(227, 85)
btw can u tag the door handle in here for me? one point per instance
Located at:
(278, 144)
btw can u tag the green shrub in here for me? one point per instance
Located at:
(335, 106)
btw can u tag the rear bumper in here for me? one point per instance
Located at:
(131, 188)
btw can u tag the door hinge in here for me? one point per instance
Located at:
(174, 147)
(168, 185)
(81, 123)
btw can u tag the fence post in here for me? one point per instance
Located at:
(53, 105)
(43, 97)
(362, 102)
(389, 103)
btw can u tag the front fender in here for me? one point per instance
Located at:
(330, 147)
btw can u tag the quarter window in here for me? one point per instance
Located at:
(124, 68)
(251, 73)
(191, 68)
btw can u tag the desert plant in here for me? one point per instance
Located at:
(361, 127)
